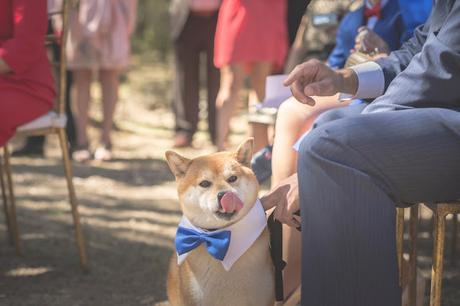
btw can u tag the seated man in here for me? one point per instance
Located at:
(294, 119)
(359, 163)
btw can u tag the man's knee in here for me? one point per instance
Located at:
(312, 147)
(328, 116)
(338, 113)
(327, 143)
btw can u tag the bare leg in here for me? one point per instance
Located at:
(109, 83)
(259, 74)
(230, 84)
(82, 82)
(292, 121)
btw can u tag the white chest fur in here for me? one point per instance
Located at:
(249, 282)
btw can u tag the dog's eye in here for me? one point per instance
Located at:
(205, 184)
(232, 179)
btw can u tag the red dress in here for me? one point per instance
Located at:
(251, 31)
(28, 91)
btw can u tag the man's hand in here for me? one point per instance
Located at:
(367, 41)
(314, 78)
(285, 199)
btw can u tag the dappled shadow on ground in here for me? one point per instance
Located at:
(129, 215)
(135, 172)
(128, 266)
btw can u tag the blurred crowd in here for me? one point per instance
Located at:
(241, 43)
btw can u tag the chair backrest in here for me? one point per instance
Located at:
(56, 41)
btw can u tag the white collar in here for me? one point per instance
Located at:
(371, 22)
(382, 3)
(244, 233)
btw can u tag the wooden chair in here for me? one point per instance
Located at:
(52, 123)
(412, 270)
(440, 212)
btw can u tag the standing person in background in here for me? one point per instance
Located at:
(295, 11)
(99, 39)
(251, 39)
(193, 26)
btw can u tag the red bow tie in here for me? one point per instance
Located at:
(369, 12)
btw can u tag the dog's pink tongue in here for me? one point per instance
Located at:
(230, 203)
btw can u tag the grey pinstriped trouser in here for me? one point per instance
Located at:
(353, 169)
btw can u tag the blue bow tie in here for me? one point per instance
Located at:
(217, 243)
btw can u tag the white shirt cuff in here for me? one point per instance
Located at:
(371, 82)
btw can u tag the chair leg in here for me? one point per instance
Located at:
(73, 200)
(400, 240)
(453, 246)
(6, 209)
(12, 202)
(438, 256)
(413, 228)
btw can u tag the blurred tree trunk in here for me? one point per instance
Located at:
(152, 30)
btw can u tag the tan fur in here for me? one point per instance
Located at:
(201, 280)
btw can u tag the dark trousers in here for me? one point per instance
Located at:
(196, 38)
(353, 170)
(295, 11)
(39, 141)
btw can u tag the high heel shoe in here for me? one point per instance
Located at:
(81, 153)
(103, 152)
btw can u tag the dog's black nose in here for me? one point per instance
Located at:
(220, 195)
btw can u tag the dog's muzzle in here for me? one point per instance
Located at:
(229, 203)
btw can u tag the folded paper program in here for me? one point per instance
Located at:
(275, 92)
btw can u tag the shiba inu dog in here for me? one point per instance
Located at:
(222, 242)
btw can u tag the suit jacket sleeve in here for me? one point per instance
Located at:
(398, 60)
(432, 76)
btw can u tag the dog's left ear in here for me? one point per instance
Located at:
(177, 163)
(244, 152)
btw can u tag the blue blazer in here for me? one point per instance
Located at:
(390, 27)
(415, 12)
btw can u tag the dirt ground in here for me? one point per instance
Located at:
(129, 212)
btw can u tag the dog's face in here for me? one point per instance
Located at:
(215, 190)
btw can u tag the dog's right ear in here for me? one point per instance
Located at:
(177, 163)
(244, 152)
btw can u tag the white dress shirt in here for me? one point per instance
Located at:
(371, 82)
(373, 20)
